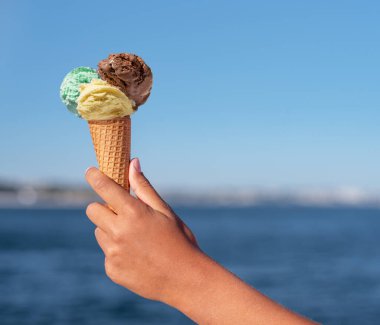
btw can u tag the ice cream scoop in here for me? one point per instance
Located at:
(106, 101)
(69, 90)
(99, 100)
(130, 74)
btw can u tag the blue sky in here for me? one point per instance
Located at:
(246, 93)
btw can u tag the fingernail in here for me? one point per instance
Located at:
(136, 165)
(85, 173)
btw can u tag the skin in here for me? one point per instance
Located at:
(150, 251)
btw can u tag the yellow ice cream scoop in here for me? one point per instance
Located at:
(99, 100)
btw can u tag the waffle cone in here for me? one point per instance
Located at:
(112, 144)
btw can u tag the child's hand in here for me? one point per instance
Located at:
(147, 247)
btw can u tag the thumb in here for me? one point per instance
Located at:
(144, 190)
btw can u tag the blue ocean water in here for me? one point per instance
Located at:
(323, 263)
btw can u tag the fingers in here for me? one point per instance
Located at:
(144, 190)
(101, 216)
(103, 240)
(108, 190)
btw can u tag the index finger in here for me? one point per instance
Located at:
(111, 192)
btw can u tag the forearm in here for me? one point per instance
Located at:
(150, 251)
(209, 294)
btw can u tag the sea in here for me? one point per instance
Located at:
(321, 262)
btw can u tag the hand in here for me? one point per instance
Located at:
(150, 251)
(147, 247)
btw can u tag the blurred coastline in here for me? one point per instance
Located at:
(71, 196)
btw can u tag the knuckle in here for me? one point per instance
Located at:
(118, 236)
(126, 209)
(130, 210)
(100, 182)
(112, 252)
(133, 212)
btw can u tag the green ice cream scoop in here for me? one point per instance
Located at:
(69, 90)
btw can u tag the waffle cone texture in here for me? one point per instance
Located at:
(112, 144)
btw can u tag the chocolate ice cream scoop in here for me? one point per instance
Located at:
(129, 73)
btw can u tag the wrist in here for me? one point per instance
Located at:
(195, 285)
(188, 279)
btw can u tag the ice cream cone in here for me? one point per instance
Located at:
(106, 98)
(112, 144)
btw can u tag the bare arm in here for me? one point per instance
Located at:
(150, 251)
(213, 295)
